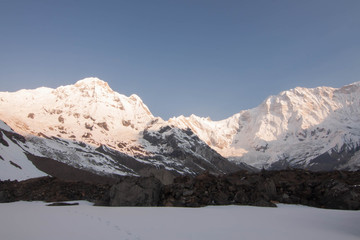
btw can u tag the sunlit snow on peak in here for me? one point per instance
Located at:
(92, 82)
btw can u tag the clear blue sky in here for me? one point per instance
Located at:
(209, 58)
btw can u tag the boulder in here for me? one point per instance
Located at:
(143, 191)
(164, 176)
(4, 197)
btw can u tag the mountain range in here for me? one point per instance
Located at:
(87, 130)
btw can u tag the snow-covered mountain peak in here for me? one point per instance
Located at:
(91, 82)
(88, 111)
(300, 123)
(354, 84)
(351, 88)
(87, 88)
(97, 90)
(138, 101)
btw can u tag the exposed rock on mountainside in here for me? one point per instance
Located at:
(23, 158)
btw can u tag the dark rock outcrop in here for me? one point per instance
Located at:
(60, 204)
(50, 189)
(334, 190)
(132, 191)
(66, 172)
(185, 147)
(166, 177)
(207, 189)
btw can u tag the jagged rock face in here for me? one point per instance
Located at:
(194, 155)
(291, 129)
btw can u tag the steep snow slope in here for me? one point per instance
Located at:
(17, 154)
(22, 157)
(290, 129)
(14, 164)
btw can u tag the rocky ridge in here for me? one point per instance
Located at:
(33, 156)
(334, 190)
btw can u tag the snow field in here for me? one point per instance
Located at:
(34, 220)
(13, 153)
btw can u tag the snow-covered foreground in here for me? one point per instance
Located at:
(34, 220)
